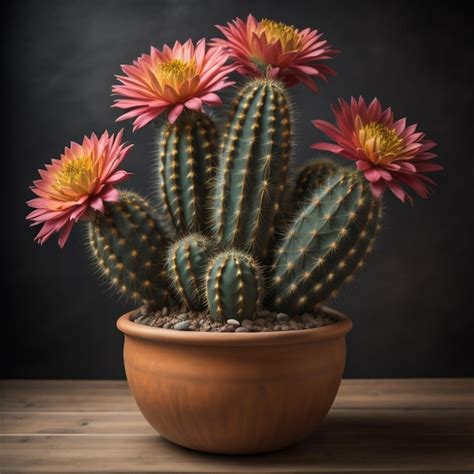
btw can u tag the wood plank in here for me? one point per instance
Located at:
(356, 422)
(406, 393)
(321, 453)
(68, 395)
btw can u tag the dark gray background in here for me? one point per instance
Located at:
(410, 306)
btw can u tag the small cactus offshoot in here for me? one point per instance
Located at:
(227, 236)
(186, 266)
(234, 286)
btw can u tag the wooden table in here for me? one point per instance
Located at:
(375, 425)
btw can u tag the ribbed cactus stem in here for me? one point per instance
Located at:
(253, 169)
(186, 167)
(234, 286)
(127, 242)
(186, 265)
(354, 259)
(312, 177)
(324, 244)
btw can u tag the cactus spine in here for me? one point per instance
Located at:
(126, 242)
(186, 265)
(253, 169)
(186, 167)
(324, 244)
(234, 286)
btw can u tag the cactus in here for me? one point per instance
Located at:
(186, 265)
(312, 177)
(253, 169)
(127, 242)
(324, 244)
(234, 286)
(186, 167)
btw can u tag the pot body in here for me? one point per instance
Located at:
(234, 393)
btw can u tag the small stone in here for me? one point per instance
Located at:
(247, 323)
(182, 326)
(182, 317)
(234, 322)
(307, 318)
(261, 321)
(167, 325)
(285, 327)
(164, 311)
(282, 317)
(293, 324)
(242, 329)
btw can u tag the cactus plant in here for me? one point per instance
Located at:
(253, 167)
(238, 236)
(186, 265)
(126, 244)
(234, 286)
(187, 156)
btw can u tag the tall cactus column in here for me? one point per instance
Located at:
(253, 168)
(186, 165)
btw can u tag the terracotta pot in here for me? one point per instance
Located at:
(234, 393)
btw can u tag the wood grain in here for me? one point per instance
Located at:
(417, 425)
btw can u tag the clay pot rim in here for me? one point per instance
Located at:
(299, 336)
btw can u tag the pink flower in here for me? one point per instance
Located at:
(389, 153)
(276, 50)
(185, 76)
(80, 180)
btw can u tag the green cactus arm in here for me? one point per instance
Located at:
(126, 244)
(345, 269)
(187, 158)
(253, 169)
(234, 286)
(322, 235)
(186, 265)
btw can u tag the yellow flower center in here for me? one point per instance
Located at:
(75, 173)
(287, 35)
(175, 72)
(380, 143)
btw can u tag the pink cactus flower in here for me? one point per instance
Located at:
(174, 79)
(276, 50)
(76, 183)
(389, 153)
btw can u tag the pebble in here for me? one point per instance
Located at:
(262, 321)
(242, 329)
(167, 325)
(282, 317)
(182, 326)
(307, 318)
(182, 317)
(246, 323)
(233, 322)
(164, 311)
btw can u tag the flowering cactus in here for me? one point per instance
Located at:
(244, 235)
